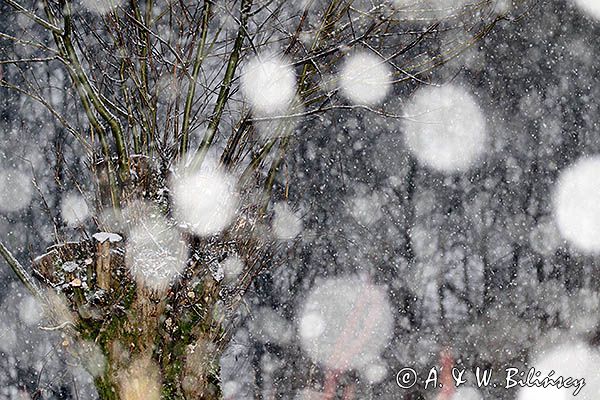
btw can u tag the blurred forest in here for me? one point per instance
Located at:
(469, 261)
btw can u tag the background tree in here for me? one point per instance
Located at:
(496, 221)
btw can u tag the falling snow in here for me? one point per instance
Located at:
(445, 128)
(74, 209)
(406, 183)
(365, 79)
(577, 204)
(206, 201)
(345, 323)
(269, 84)
(16, 190)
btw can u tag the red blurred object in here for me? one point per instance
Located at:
(446, 363)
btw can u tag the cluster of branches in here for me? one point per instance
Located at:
(160, 79)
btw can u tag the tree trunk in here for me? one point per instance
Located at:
(149, 343)
(154, 345)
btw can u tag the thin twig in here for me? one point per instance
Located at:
(58, 327)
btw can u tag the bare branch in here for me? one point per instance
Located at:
(225, 87)
(27, 42)
(21, 273)
(29, 60)
(31, 15)
(200, 53)
(92, 95)
(51, 109)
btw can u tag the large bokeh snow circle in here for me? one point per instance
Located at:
(269, 84)
(577, 204)
(445, 128)
(591, 7)
(576, 360)
(16, 190)
(345, 323)
(206, 201)
(365, 79)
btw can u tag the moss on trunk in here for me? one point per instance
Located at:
(162, 342)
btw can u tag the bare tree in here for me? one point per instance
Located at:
(151, 93)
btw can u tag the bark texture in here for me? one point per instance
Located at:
(142, 342)
(154, 344)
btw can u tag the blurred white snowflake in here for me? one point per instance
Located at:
(206, 201)
(375, 372)
(74, 209)
(100, 7)
(545, 238)
(365, 79)
(576, 360)
(425, 10)
(269, 84)
(577, 204)
(286, 223)
(590, 7)
(445, 128)
(16, 190)
(155, 252)
(467, 393)
(345, 323)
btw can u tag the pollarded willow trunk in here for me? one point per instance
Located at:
(141, 341)
(153, 344)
